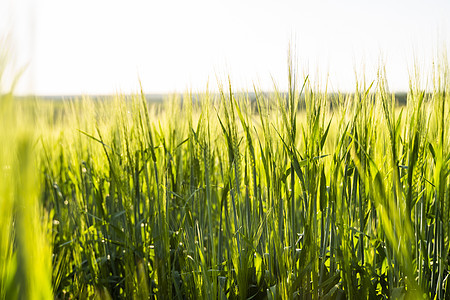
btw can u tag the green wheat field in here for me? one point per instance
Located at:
(300, 194)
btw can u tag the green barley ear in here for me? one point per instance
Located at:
(33, 226)
(25, 244)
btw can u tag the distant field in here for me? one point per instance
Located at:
(400, 97)
(297, 195)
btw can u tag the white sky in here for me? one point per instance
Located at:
(98, 47)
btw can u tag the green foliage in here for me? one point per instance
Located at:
(213, 196)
